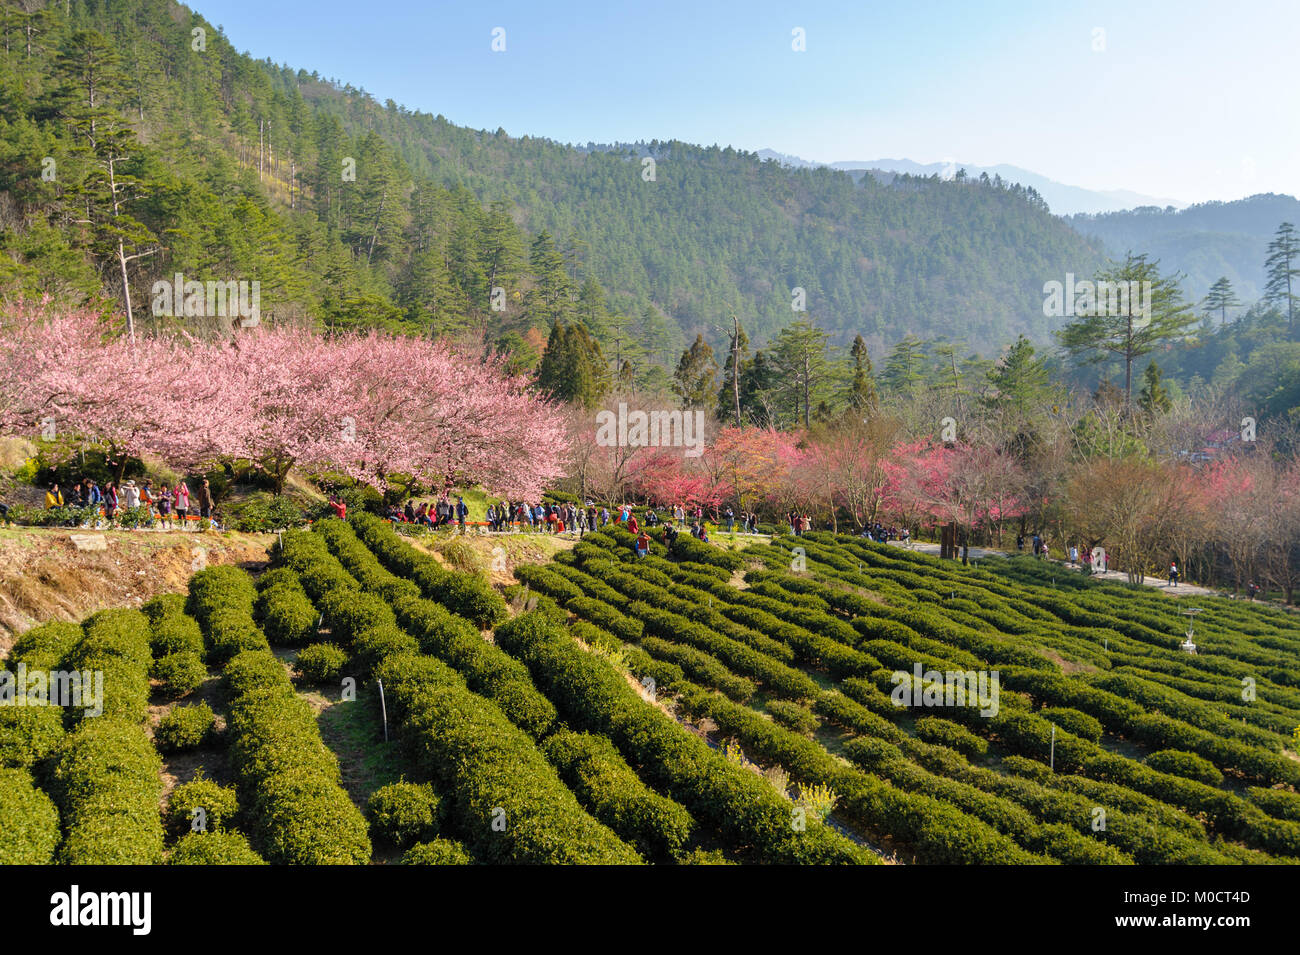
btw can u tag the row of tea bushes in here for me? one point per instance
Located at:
(604, 783)
(28, 734)
(29, 823)
(438, 631)
(176, 644)
(506, 800)
(739, 806)
(467, 595)
(286, 775)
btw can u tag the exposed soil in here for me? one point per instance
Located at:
(66, 573)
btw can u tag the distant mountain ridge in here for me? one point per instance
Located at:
(1063, 199)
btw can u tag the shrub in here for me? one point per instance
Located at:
(288, 616)
(220, 588)
(214, 848)
(793, 716)
(437, 852)
(105, 779)
(163, 606)
(486, 766)
(740, 807)
(28, 734)
(176, 633)
(321, 663)
(28, 820)
(180, 672)
(44, 647)
(218, 803)
(305, 819)
(943, 732)
(1071, 720)
(262, 511)
(185, 727)
(1187, 765)
(252, 670)
(231, 631)
(402, 814)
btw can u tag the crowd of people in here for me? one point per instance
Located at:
(164, 504)
(884, 533)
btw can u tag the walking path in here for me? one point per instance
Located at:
(1182, 590)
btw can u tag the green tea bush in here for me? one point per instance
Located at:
(321, 663)
(437, 852)
(105, 779)
(1071, 720)
(185, 727)
(220, 588)
(175, 633)
(214, 848)
(288, 616)
(1188, 765)
(28, 820)
(700, 667)
(490, 771)
(28, 734)
(218, 804)
(402, 814)
(180, 673)
(943, 732)
(116, 642)
(794, 717)
(44, 647)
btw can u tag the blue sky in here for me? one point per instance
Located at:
(1191, 100)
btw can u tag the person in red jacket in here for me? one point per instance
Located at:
(340, 507)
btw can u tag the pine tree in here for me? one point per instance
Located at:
(1130, 326)
(803, 367)
(1219, 299)
(1282, 268)
(905, 371)
(1019, 381)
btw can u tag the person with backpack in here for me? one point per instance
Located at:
(1173, 573)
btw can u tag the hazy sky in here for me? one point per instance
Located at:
(1189, 100)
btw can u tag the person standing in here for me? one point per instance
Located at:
(111, 501)
(182, 502)
(1173, 573)
(165, 506)
(130, 496)
(462, 512)
(205, 500)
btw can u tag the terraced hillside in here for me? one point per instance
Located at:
(698, 706)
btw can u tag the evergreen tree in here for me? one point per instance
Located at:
(549, 302)
(1154, 396)
(905, 370)
(696, 379)
(1132, 325)
(1282, 268)
(1020, 381)
(803, 368)
(1219, 299)
(861, 393)
(573, 368)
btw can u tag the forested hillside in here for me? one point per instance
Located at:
(1205, 242)
(356, 213)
